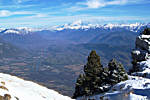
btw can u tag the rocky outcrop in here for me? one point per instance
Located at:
(141, 56)
(143, 42)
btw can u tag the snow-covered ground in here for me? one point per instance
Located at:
(136, 88)
(20, 89)
(144, 69)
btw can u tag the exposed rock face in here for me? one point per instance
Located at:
(141, 56)
(143, 42)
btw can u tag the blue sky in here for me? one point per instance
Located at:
(43, 13)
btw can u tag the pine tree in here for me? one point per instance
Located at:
(90, 82)
(116, 72)
(93, 66)
(134, 68)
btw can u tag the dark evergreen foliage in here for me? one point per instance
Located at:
(93, 66)
(116, 72)
(97, 79)
(146, 31)
(134, 68)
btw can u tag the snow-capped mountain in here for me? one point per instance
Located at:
(2, 29)
(136, 27)
(81, 25)
(13, 88)
(18, 30)
(75, 25)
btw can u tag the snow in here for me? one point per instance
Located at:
(136, 52)
(2, 29)
(136, 88)
(11, 31)
(80, 25)
(26, 90)
(144, 69)
(78, 22)
(144, 36)
(19, 30)
(25, 29)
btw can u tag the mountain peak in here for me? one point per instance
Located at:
(135, 27)
(78, 22)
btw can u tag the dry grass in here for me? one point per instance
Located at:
(1, 97)
(3, 87)
(5, 97)
(3, 83)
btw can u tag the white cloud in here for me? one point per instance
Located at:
(57, 20)
(20, 1)
(103, 3)
(38, 15)
(6, 13)
(95, 3)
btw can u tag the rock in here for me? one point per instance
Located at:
(139, 55)
(143, 42)
(7, 97)
(146, 31)
(144, 69)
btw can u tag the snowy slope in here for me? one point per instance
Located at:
(144, 69)
(25, 90)
(136, 88)
(11, 31)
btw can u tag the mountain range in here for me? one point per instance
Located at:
(76, 26)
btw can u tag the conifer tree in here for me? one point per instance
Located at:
(93, 66)
(116, 72)
(90, 82)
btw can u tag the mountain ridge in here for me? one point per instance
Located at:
(78, 25)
